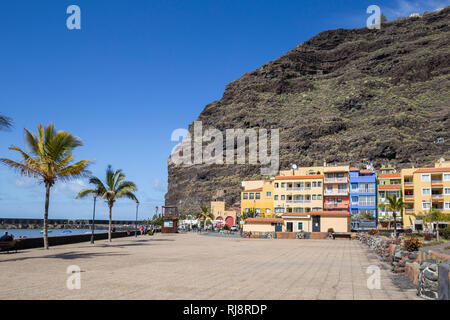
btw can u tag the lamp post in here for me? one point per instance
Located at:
(93, 220)
(135, 229)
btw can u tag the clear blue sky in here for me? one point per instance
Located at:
(136, 71)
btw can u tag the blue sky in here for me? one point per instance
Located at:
(136, 71)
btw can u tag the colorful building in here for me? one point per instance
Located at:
(424, 189)
(336, 188)
(389, 185)
(223, 216)
(363, 198)
(258, 196)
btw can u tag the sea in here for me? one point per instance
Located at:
(36, 233)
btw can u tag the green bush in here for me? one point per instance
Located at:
(446, 233)
(412, 244)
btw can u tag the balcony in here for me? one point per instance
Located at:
(436, 181)
(336, 180)
(409, 210)
(335, 205)
(335, 192)
(408, 183)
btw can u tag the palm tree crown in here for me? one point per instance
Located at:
(49, 159)
(115, 187)
(5, 122)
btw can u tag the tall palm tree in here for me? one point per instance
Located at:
(5, 122)
(50, 159)
(204, 215)
(99, 191)
(395, 205)
(114, 188)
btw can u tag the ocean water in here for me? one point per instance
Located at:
(36, 233)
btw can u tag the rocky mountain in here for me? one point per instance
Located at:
(352, 96)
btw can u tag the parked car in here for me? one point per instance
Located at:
(234, 228)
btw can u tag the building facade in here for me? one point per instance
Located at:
(363, 198)
(258, 197)
(389, 185)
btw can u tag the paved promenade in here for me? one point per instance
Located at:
(191, 266)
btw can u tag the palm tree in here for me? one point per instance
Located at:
(434, 216)
(114, 188)
(204, 215)
(395, 205)
(50, 159)
(5, 122)
(99, 191)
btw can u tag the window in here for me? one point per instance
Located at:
(267, 210)
(314, 184)
(245, 196)
(257, 210)
(319, 197)
(283, 184)
(257, 196)
(282, 197)
(367, 200)
(426, 177)
(276, 185)
(354, 187)
(426, 205)
(268, 194)
(300, 226)
(275, 197)
(314, 197)
(247, 210)
(446, 176)
(426, 191)
(279, 210)
(252, 195)
(354, 200)
(319, 184)
(447, 205)
(446, 190)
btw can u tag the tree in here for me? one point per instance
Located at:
(383, 18)
(50, 159)
(114, 188)
(204, 215)
(433, 216)
(5, 122)
(395, 205)
(99, 191)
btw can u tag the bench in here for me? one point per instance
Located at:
(342, 235)
(8, 245)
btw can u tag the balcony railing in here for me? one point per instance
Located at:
(408, 196)
(408, 183)
(299, 188)
(335, 192)
(436, 195)
(436, 181)
(335, 205)
(336, 180)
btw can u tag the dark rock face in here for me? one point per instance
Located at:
(349, 96)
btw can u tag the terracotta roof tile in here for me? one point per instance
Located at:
(252, 190)
(313, 176)
(263, 220)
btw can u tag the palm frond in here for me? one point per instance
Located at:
(83, 193)
(5, 122)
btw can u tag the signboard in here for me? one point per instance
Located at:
(241, 222)
(168, 224)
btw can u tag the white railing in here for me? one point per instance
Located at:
(436, 181)
(337, 180)
(335, 192)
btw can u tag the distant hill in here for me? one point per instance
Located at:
(354, 96)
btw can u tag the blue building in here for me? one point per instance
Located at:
(363, 198)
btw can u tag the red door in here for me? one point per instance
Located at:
(229, 221)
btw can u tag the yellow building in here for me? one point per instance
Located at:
(426, 188)
(258, 196)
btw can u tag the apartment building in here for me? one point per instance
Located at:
(336, 188)
(389, 185)
(258, 196)
(426, 188)
(363, 198)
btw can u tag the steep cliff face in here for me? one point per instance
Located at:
(356, 96)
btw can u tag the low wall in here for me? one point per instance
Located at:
(421, 267)
(30, 243)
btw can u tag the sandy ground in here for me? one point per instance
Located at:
(192, 266)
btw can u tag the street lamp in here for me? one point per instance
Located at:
(93, 220)
(137, 206)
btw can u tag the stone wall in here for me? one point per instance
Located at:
(421, 267)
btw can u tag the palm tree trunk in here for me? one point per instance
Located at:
(110, 223)
(47, 202)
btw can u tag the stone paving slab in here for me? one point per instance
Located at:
(191, 266)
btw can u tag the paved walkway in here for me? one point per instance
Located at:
(191, 266)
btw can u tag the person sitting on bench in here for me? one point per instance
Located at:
(6, 237)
